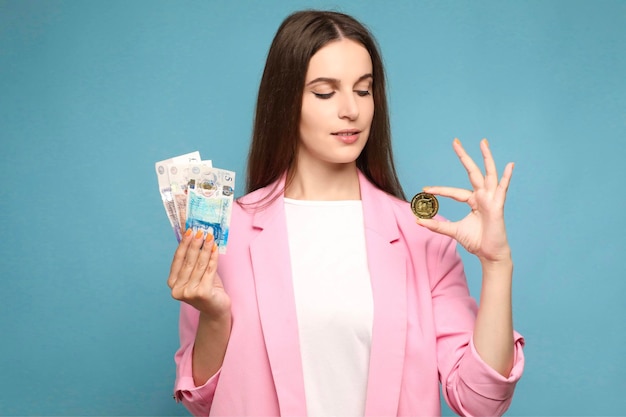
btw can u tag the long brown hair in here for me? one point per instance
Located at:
(279, 103)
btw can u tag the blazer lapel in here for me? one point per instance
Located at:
(274, 288)
(387, 265)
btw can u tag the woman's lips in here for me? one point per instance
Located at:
(348, 136)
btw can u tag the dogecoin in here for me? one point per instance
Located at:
(424, 205)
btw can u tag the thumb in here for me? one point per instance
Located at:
(444, 228)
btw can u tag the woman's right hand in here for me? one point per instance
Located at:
(193, 276)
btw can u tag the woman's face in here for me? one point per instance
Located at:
(337, 105)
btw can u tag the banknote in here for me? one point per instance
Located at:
(165, 187)
(209, 203)
(179, 176)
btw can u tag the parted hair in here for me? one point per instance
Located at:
(276, 132)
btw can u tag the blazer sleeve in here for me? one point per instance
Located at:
(197, 399)
(470, 386)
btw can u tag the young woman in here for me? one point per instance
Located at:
(331, 300)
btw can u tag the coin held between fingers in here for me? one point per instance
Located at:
(424, 205)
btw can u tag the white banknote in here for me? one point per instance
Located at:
(165, 187)
(179, 175)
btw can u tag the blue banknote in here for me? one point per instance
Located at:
(209, 203)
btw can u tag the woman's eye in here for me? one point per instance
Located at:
(324, 96)
(363, 93)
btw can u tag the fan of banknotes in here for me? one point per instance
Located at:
(196, 196)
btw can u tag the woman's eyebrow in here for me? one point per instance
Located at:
(335, 81)
(326, 80)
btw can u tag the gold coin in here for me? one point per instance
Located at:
(424, 205)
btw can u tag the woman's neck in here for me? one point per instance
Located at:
(334, 182)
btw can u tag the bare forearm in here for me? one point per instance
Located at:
(493, 330)
(210, 347)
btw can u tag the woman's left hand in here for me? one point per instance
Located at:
(482, 232)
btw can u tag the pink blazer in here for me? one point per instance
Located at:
(422, 330)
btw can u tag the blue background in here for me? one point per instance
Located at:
(93, 93)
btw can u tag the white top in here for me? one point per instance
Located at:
(334, 303)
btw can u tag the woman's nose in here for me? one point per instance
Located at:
(348, 106)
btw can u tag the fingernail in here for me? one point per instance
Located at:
(214, 247)
(486, 141)
(199, 234)
(188, 232)
(456, 140)
(426, 188)
(209, 236)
